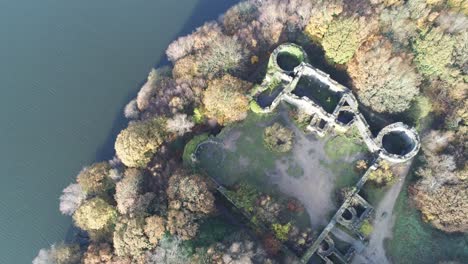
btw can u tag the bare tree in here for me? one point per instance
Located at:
(71, 198)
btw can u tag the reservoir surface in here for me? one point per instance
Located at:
(67, 69)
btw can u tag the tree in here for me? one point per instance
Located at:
(128, 194)
(148, 90)
(59, 254)
(239, 16)
(224, 55)
(460, 52)
(130, 238)
(136, 145)
(94, 214)
(321, 17)
(452, 22)
(444, 207)
(131, 110)
(179, 124)
(189, 191)
(383, 175)
(98, 253)
(155, 227)
(240, 252)
(182, 223)
(224, 99)
(383, 81)
(278, 138)
(95, 178)
(72, 197)
(186, 67)
(433, 53)
(198, 40)
(344, 36)
(169, 251)
(397, 24)
(189, 201)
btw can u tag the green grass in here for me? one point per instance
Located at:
(415, 241)
(191, 146)
(213, 230)
(374, 194)
(342, 146)
(249, 146)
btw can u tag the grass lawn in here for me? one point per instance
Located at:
(415, 241)
(343, 151)
(373, 194)
(248, 160)
(343, 146)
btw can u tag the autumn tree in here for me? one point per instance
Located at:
(94, 214)
(129, 194)
(129, 237)
(321, 17)
(224, 99)
(155, 227)
(200, 39)
(98, 253)
(383, 175)
(95, 178)
(224, 55)
(189, 201)
(239, 16)
(384, 81)
(444, 207)
(344, 36)
(136, 145)
(149, 89)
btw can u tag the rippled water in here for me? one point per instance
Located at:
(67, 68)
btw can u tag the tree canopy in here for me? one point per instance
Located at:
(136, 145)
(224, 99)
(385, 82)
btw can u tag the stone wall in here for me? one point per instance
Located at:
(348, 102)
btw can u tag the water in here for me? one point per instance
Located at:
(67, 68)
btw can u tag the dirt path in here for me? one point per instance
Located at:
(315, 184)
(374, 253)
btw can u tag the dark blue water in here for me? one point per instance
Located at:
(67, 68)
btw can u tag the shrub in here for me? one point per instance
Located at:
(254, 107)
(366, 228)
(190, 147)
(244, 196)
(278, 138)
(281, 231)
